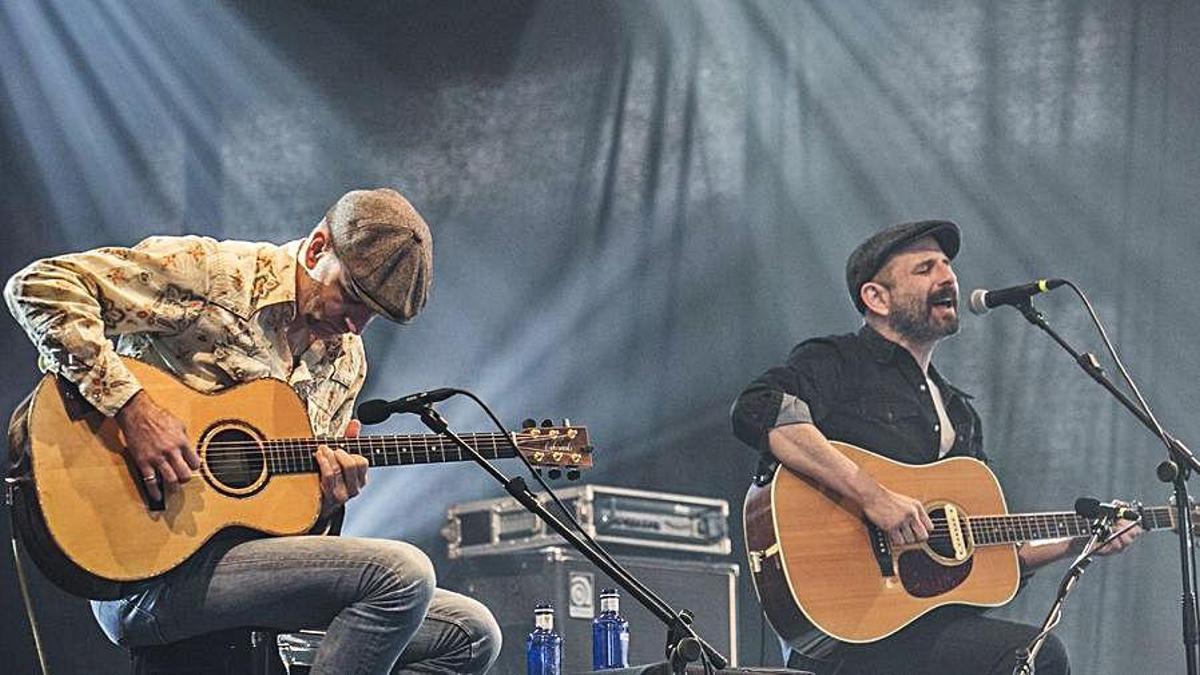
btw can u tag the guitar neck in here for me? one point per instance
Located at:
(1018, 528)
(295, 455)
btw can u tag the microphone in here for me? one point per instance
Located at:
(1092, 509)
(377, 409)
(983, 300)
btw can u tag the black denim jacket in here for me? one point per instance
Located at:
(862, 389)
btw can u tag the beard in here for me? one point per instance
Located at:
(913, 318)
(313, 312)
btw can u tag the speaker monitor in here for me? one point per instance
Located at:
(511, 584)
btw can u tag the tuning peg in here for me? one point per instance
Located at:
(528, 423)
(566, 422)
(555, 474)
(572, 474)
(538, 471)
(547, 423)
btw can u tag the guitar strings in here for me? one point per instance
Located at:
(366, 439)
(233, 459)
(1022, 527)
(278, 450)
(288, 451)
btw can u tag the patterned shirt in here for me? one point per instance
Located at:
(213, 313)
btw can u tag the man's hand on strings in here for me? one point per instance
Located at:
(157, 443)
(901, 517)
(343, 475)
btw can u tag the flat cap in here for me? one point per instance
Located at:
(387, 250)
(871, 255)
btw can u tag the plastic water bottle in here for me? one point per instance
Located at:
(610, 634)
(543, 647)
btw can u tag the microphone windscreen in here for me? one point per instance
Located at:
(374, 411)
(1088, 507)
(978, 302)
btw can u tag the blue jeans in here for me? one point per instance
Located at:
(376, 599)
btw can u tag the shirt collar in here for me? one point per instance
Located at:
(884, 351)
(280, 269)
(881, 348)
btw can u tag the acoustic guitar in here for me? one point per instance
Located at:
(813, 554)
(85, 519)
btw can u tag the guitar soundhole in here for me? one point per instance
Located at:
(940, 542)
(234, 459)
(924, 577)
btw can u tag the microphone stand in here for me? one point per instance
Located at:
(1027, 656)
(683, 644)
(1176, 469)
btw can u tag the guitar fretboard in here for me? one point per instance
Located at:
(1011, 529)
(295, 455)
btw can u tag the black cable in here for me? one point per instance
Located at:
(537, 476)
(541, 481)
(762, 636)
(1112, 351)
(23, 582)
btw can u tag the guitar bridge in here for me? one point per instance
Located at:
(957, 541)
(881, 548)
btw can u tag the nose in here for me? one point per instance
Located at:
(947, 275)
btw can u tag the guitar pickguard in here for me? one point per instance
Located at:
(924, 577)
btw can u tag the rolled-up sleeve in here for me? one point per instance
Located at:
(797, 392)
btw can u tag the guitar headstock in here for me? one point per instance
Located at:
(558, 448)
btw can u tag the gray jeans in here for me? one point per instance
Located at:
(376, 599)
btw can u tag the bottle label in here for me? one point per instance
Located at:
(544, 620)
(610, 604)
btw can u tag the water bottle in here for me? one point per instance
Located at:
(610, 634)
(543, 647)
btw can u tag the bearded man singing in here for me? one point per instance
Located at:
(877, 389)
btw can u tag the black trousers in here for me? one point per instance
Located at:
(949, 641)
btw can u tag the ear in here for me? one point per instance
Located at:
(876, 297)
(318, 243)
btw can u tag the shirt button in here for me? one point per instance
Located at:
(922, 387)
(937, 427)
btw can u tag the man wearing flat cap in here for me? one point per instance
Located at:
(216, 313)
(877, 389)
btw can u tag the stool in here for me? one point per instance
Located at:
(237, 651)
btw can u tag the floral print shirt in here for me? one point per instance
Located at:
(213, 313)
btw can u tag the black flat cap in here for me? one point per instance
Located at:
(871, 255)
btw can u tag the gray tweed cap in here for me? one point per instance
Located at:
(387, 250)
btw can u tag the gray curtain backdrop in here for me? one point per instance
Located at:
(639, 206)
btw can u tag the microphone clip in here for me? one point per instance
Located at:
(432, 418)
(1107, 513)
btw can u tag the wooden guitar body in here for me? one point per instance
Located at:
(85, 519)
(89, 498)
(813, 555)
